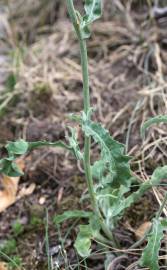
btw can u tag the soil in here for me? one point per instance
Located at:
(127, 56)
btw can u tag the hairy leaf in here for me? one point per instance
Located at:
(71, 214)
(93, 10)
(111, 171)
(113, 163)
(122, 204)
(113, 202)
(151, 121)
(113, 174)
(150, 253)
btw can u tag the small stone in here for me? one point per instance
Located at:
(42, 200)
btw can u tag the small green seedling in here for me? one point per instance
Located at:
(109, 179)
(9, 247)
(17, 228)
(15, 263)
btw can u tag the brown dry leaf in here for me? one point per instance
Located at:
(142, 229)
(8, 195)
(10, 187)
(3, 266)
(26, 191)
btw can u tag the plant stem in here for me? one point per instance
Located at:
(86, 94)
(86, 97)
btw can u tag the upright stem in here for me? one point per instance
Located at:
(86, 96)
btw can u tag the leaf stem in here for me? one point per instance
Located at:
(86, 97)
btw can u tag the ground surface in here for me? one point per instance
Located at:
(42, 76)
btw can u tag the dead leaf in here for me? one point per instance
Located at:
(8, 195)
(10, 187)
(142, 229)
(26, 191)
(3, 266)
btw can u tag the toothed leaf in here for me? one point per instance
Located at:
(113, 162)
(150, 253)
(93, 10)
(125, 202)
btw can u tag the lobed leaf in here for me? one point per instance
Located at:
(150, 253)
(93, 10)
(113, 162)
(152, 121)
(112, 172)
(120, 205)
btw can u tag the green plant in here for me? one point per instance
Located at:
(109, 179)
(150, 253)
(17, 228)
(15, 263)
(9, 246)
